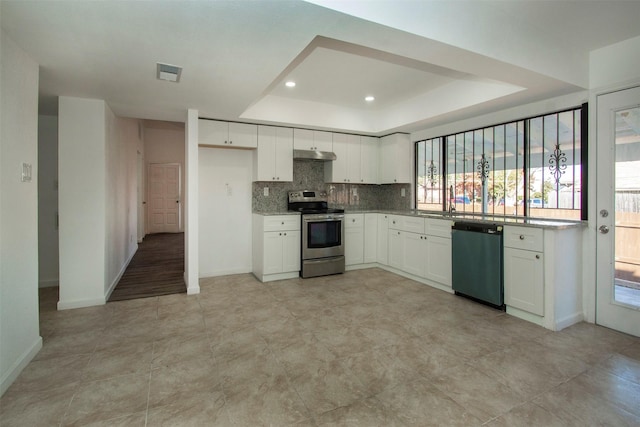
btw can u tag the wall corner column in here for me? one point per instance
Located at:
(191, 274)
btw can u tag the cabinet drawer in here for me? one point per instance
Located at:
(281, 222)
(526, 238)
(413, 224)
(438, 227)
(354, 221)
(395, 222)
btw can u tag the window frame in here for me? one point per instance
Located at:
(583, 110)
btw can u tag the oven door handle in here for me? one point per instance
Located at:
(323, 218)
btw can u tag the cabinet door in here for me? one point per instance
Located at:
(403, 167)
(243, 135)
(396, 249)
(213, 132)
(336, 171)
(524, 280)
(383, 239)
(264, 167)
(369, 160)
(303, 139)
(284, 154)
(354, 246)
(272, 252)
(370, 237)
(439, 260)
(387, 161)
(322, 141)
(415, 253)
(290, 251)
(353, 158)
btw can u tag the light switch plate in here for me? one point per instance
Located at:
(266, 191)
(26, 172)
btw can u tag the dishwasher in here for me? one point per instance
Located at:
(476, 263)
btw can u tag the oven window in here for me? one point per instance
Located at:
(324, 234)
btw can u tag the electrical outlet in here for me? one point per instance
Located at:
(355, 191)
(26, 172)
(266, 191)
(403, 192)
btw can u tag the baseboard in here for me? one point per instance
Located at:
(567, 321)
(115, 281)
(81, 303)
(48, 283)
(12, 373)
(224, 272)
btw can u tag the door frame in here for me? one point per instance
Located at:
(589, 233)
(180, 194)
(591, 264)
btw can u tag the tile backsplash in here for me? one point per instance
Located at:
(309, 175)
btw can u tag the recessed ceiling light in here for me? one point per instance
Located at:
(369, 98)
(290, 84)
(170, 73)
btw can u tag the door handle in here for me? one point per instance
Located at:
(603, 229)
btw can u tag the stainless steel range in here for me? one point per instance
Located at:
(322, 245)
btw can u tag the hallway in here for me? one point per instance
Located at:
(156, 269)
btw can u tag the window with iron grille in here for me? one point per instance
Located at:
(532, 167)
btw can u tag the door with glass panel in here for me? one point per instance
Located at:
(618, 216)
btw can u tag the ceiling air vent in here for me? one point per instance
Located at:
(170, 73)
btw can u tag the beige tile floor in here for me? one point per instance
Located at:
(366, 348)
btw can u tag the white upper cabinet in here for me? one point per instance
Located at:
(369, 156)
(274, 157)
(346, 167)
(357, 160)
(227, 134)
(305, 139)
(395, 159)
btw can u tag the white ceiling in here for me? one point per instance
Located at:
(426, 62)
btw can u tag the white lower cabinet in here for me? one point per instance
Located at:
(370, 238)
(353, 239)
(524, 280)
(396, 248)
(438, 265)
(415, 253)
(276, 246)
(382, 255)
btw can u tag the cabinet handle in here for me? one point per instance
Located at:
(537, 256)
(230, 142)
(274, 178)
(353, 220)
(282, 223)
(285, 234)
(521, 237)
(279, 234)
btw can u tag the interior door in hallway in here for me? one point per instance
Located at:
(164, 198)
(618, 205)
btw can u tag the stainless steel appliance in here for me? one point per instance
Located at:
(477, 262)
(322, 244)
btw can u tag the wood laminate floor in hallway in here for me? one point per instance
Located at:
(156, 269)
(366, 348)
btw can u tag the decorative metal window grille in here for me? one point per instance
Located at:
(531, 167)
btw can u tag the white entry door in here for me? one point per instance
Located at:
(163, 182)
(618, 203)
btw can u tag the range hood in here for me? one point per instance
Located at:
(324, 156)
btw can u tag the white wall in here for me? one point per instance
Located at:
(48, 201)
(224, 211)
(19, 330)
(122, 142)
(97, 199)
(616, 65)
(81, 201)
(165, 144)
